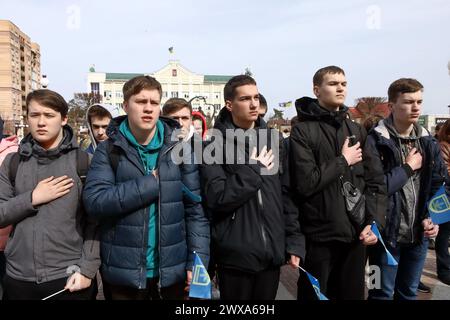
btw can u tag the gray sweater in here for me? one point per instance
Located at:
(56, 235)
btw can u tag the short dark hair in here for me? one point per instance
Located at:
(229, 91)
(139, 83)
(99, 112)
(49, 99)
(262, 102)
(320, 74)
(403, 85)
(175, 104)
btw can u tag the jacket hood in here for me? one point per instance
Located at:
(114, 111)
(199, 115)
(385, 129)
(309, 109)
(28, 146)
(8, 142)
(224, 121)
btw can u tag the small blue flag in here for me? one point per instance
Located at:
(390, 259)
(201, 284)
(439, 207)
(315, 284)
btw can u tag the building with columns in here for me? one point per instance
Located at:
(176, 81)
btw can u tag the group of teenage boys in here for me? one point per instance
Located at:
(136, 217)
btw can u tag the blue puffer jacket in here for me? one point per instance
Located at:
(121, 202)
(432, 176)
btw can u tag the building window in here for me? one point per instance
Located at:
(95, 87)
(186, 95)
(119, 105)
(174, 72)
(217, 94)
(119, 94)
(174, 94)
(164, 94)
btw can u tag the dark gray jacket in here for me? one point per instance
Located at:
(47, 240)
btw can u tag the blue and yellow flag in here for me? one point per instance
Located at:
(390, 259)
(201, 284)
(439, 207)
(315, 284)
(285, 104)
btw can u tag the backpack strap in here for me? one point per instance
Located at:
(83, 161)
(13, 166)
(114, 154)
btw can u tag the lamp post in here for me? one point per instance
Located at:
(448, 67)
(19, 125)
(44, 81)
(213, 115)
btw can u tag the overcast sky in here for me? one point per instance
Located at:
(282, 42)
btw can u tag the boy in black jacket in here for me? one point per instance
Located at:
(327, 151)
(253, 226)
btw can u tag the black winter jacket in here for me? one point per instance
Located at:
(316, 166)
(253, 227)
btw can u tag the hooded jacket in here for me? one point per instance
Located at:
(113, 111)
(253, 227)
(385, 145)
(7, 145)
(54, 236)
(120, 200)
(201, 117)
(317, 164)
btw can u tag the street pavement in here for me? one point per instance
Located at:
(287, 289)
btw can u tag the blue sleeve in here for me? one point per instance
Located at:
(396, 179)
(104, 197)
(197, 224)
(439, 173)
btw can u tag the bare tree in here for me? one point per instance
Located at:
(367, 106)
(278, 114)
(78, 107)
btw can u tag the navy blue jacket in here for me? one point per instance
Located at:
(121, 200)
(432, 176)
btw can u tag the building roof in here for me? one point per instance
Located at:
(122, 76)
(383, 109)
(217, 78)
(380, 109)
(355, 112)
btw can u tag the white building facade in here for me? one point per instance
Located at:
(176, 81)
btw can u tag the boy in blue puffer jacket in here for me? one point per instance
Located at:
(149, 207)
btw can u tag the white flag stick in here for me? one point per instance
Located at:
(302, 269)
(56, 293)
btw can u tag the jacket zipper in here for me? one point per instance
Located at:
(261, 224)
(414, 209)
(159, 237)
(159, 214)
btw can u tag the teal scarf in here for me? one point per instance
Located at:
(149, 158)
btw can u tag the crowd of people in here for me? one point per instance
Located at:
(128, 215)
